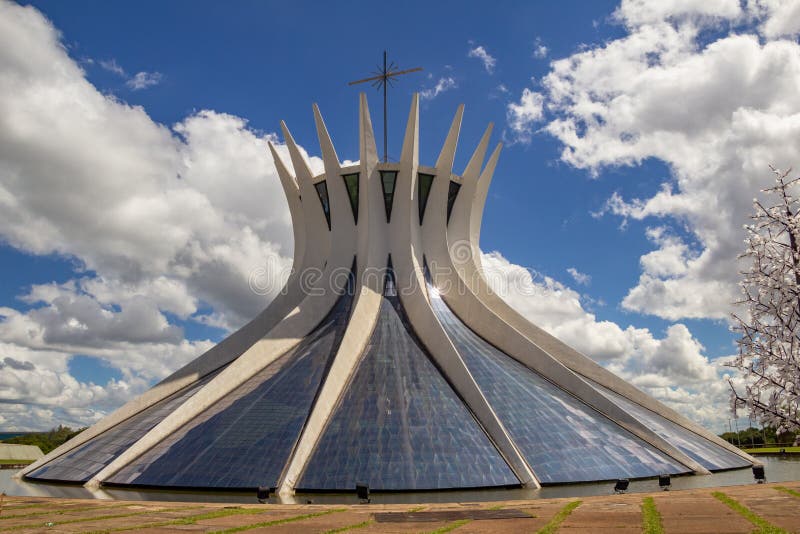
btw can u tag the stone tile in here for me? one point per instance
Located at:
(318, 524)
(619, 513)
(695, 513)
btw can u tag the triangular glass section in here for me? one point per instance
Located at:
(452, 193)
(563, 439)
(388, 181)
(245, 439)
(85, 461)
(322, 191)
(399, 425)
(424, 183)
(701, 450)
(351, 183)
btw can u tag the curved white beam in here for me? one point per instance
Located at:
(373, 249)
(407, 260)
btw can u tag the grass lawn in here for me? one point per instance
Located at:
(772, 450)
(15, 462)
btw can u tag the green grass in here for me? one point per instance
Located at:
(771, 450)
(450, 526)
(278, 521)
(764, 526)
(16, 462)
(651, 519)
(791, 492)
(559, 518)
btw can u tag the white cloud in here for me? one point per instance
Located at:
(640, 12)
(158, 220)
(480, 53)
(663, 92)
(111, 65)
(143, 80)
(579, 277)
(140, 80)
(524, 114)
(444, 84)
(540, 51)
(779, 18)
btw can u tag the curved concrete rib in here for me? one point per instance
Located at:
(225, 351)
(411, 290)
(464, 228)
(319, 238)
(292, 193)
(372, 246)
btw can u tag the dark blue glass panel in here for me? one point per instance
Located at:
(322, 191)
(708, 454)
(400, 426)
(388, 182)
(244, 440)
(88, 459)
(351, 183)
(452, 193)
(424, 183)
(563, 439)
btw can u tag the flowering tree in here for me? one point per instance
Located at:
(769, 347)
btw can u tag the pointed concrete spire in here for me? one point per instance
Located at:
(488, 171)
(301, 168)
(325, 144)
(410, 153)
(368, 151)
(448, 153)
(481, 192)
(475, 162)
(287, 180)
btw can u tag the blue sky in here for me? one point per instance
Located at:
(636, 135)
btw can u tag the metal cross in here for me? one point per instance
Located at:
(383, 77)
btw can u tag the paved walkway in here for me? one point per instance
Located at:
(734, 509)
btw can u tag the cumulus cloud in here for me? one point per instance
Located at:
(640, 12)
(480, 53)
(523, 115)
(159, 221)
(444, 84)
(669, 90)
(779, 18)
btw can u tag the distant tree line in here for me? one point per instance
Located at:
(47, 441)
(760, 436)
